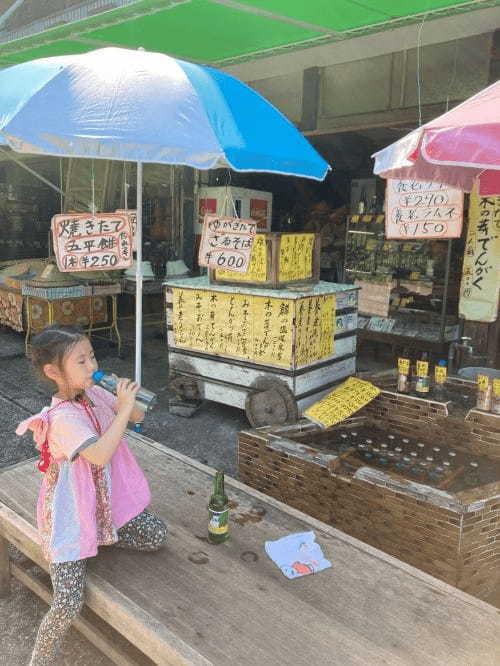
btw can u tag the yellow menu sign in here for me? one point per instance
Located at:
(341, 403)
(257, 269)
(296, 252)
(314, 328)
(274, 331)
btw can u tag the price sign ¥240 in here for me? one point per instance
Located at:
(422, 209)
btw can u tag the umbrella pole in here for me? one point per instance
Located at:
(138, 280)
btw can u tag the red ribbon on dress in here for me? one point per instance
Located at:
(45, 455)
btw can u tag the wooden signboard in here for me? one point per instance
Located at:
(422, 209)
(86, 242)
(226, 242)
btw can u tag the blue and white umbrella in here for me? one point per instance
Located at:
(138, 106)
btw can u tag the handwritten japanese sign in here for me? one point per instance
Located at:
(296, 256)
(314, 328)
(226, 242)
(133, 221)
(254, 328)
(92, 242)
(257, 269)
(341, 403)
(422, 209)
(480, 286)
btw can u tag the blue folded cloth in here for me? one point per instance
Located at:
(297, 554)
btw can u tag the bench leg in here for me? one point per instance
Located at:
(4, 568)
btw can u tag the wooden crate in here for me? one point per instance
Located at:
(278, 260)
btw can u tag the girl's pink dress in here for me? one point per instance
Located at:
(81, 505)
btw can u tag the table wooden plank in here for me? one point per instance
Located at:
(232, 605)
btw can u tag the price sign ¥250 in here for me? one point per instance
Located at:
(92, 242)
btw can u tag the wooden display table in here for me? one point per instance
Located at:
(193, 603)
(92, 313)
(31, 314)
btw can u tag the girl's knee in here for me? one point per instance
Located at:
(162, 534)
(158, 532)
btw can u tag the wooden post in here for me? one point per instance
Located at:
(4, 568)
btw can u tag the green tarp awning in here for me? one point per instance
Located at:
(225, 31)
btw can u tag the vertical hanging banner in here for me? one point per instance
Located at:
(422, 209)
(226, 242)
(132, 214)
(87, 242)
(480, 286)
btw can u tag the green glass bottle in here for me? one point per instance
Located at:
(218, 511)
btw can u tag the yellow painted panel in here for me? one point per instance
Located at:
(256, 328)
(314, 328)
(296, 256)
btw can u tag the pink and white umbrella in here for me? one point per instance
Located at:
(457, 148)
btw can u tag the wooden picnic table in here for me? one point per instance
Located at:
(194, 603)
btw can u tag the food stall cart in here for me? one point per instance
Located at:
(270, 341)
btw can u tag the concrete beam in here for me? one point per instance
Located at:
(435, 31)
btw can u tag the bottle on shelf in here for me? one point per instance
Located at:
(440, 372)
(404, 372)
(423, 383)
(484, 393)
(362, 202)
(218, 511)
(144, 399)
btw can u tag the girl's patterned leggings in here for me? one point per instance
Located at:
(144, 532)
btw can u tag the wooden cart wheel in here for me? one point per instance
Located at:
(184, 386)
(270, 402)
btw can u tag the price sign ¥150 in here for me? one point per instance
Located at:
(226, 243)
(86, 242)
(423, 209)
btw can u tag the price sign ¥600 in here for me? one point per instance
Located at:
(226, 243)
(422, 209)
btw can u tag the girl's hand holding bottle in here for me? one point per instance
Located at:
(126, 391)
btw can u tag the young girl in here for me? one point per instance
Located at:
(93, 492)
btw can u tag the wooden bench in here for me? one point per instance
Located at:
(193, 603)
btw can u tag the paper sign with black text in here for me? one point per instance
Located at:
(422, 209)
(342, 402)
(85, 242)
(226, 243)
